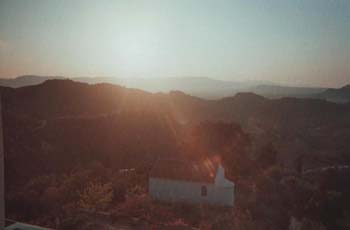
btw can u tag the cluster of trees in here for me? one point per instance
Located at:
(61, 200)
(268, 196)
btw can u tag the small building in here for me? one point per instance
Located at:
(178, 181)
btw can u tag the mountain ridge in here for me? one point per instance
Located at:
(294, 124)
(339, 95)
(204, 87)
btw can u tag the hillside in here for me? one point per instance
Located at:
(203, 87)
(341, 95)
(26, 80)
(276, 91)
(63, 138)
(199, 86)
(296, 126)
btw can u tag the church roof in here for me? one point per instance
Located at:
(184, 171)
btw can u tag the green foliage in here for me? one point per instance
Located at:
(96, 197)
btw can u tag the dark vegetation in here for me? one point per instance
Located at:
(78, 157)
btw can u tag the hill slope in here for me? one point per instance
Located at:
(311, 127)
(61, 136)
(341, 95)
(198, 86)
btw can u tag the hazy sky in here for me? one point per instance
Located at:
(295, 42)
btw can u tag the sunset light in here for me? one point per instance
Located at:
(174, 114)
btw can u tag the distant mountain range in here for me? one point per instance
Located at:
(297, 126)
(341, 95)
(26, 80)
(199, 86)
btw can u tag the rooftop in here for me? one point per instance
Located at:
(184, 171)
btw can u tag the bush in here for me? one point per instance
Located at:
(96, 197)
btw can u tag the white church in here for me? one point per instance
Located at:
(178, 181)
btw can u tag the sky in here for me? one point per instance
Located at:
(291, 42)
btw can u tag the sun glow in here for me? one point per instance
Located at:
(138, 51)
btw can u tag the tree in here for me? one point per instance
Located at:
(96, 197)
(267, 156)
(226, 140)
